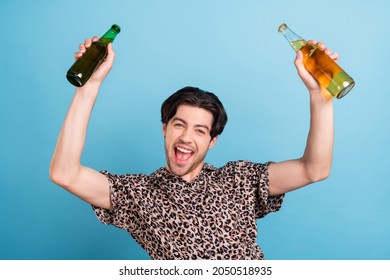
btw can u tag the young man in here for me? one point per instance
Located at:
(190, 209)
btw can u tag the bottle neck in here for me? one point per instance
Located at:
(295, 41)
(110, 35)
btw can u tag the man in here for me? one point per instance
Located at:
(190, 209)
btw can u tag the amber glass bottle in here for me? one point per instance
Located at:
(79, 73)
(327, 72)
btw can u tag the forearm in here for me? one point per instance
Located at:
(317, 157)
(316, 162)
(65, 162)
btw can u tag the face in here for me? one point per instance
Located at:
(187, 140)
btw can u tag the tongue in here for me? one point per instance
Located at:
(182, 156)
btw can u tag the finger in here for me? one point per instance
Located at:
(80, 52)
(299, 62)
(335, 56)
(321, 45)
(328, 51)
(299, 57)
(77, 55)
(95, 38)
(87, 42)
(110, 53)
(82, 48)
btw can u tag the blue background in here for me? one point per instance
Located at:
(231, 48)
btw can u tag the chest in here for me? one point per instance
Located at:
(201, 218)
(207, 206)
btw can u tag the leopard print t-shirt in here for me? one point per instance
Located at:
(212, 217)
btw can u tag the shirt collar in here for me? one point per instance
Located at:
(166, 174)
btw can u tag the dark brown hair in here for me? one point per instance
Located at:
(198, 98)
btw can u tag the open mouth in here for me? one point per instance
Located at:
(182, 155)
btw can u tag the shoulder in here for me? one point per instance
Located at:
(126, 180)
(246, 166)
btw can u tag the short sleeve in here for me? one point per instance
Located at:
(122, 200)
(258, 178)
(267, 203)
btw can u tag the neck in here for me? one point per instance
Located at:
(189, 175)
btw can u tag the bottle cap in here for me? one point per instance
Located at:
(282, 27)
(116, 28)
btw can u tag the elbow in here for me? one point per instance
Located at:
(60, 177)
(318, 174)
(56, 177)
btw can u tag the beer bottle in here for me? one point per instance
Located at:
(326, 71)
(79, 73)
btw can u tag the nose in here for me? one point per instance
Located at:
(186, 136)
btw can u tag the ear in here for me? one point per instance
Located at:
(213, 142)
(164, 129)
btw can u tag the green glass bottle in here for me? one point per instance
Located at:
(326, 71)
(79, 73)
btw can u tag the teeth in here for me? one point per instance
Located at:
(184, 150)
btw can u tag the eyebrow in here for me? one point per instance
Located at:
(197, 125)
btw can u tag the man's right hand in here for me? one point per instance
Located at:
(100, 74)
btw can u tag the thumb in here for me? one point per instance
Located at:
(110, 53)
(298, 62)
(302, 72)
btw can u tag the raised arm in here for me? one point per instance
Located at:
(316, 162)
(66, 169)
